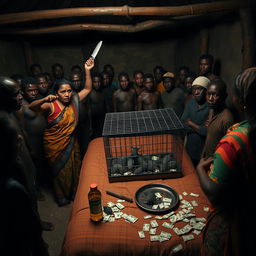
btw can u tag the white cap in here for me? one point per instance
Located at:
(201, 81)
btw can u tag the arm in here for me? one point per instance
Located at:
(43, 105)
(201, 130)
(209, 187)
(89, 64)
(215, 184)
(114, 99)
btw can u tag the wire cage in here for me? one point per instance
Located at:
(141, 145)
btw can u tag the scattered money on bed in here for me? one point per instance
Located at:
(152, 231)
(153, 223)
(194, 203)
(154, 238)
(110, 204)
(185, 213)
(188, 237)
(177, 248)
(120, 206)
(197, 232)
(167, 225)
(146, 227)
(206, 209)
(141, 234)
(193, 194)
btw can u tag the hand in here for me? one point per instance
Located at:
(205, 163)
(89, 64)
(50, 98)
(188, 122)
(207, 122)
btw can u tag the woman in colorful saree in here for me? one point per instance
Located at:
(229, 179)
(61, 147)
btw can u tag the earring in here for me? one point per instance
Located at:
(244, 107)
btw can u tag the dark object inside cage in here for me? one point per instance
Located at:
(141, 145)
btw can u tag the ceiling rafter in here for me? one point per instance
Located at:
(152, 12)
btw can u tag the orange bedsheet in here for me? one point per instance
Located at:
(120, 237)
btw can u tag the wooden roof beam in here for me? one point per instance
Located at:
(171, 11)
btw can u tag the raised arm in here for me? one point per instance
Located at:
(43, 105)
(88, 65)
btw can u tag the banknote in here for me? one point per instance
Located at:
(152, 231)
(120, 206)
(141, 234)
(154, 238)
(188, 237)
(167, 225)
(177, 248)
(146, 227)
(147, 217)
(153, 223)
(193, 194)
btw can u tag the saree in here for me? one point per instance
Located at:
(61, 148)
(225, 232)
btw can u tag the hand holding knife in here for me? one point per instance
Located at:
(89, 64)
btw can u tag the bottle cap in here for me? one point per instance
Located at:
(93, 186)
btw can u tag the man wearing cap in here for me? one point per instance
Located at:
(172, 97)
(194, 118)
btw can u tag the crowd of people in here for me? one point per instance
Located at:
(47, 121)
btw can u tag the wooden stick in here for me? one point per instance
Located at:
(77, 27)
(125, 10)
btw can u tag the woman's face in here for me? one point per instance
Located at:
(64, 93)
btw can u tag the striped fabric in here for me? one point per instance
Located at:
(230, 152)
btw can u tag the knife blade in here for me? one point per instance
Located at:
(96, 50)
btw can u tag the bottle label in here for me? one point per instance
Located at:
(95, 206)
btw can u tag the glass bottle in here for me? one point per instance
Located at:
(95, 202)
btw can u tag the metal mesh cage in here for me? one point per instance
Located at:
(143, 145)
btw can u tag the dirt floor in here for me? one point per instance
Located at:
(59, 216)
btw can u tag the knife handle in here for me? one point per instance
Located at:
(119, 196)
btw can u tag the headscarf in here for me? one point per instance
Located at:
(243, 82)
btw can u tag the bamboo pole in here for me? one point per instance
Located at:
(78, 27)
(195, 9)
(248, 38)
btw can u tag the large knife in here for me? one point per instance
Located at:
(96, 50)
